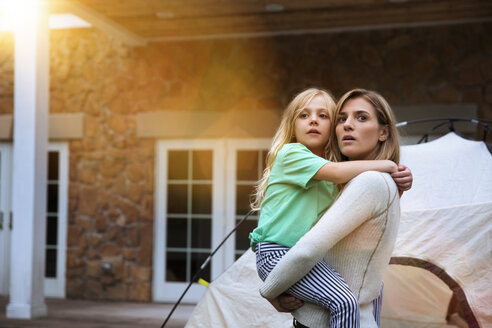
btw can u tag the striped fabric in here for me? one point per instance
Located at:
(322, 285)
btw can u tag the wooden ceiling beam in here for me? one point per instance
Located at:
(136, 22)
(193, 9)
(319, 19)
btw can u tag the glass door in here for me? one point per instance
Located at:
(56, 218)
(245, 165)
(203, 190)
(189, 199)
(5, 216)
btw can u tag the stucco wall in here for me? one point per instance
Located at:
(111, 180)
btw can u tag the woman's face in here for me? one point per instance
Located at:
(358, 130)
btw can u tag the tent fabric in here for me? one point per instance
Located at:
(446, 221)
(448, 171)
(447, 215)
(458, 240)
(404, 283)
(233, 300)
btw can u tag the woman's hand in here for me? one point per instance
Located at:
(403, 178)
(286, 303)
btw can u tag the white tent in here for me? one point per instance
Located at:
(445, 228)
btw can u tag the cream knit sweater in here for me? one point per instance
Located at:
(355, 236)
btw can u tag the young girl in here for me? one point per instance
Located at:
(298, 186)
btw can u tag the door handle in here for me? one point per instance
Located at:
(11, 220)
(1, 220)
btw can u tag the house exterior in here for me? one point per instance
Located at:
(153, 150)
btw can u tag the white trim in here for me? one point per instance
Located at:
(55, 287)
(5, 208)
(218, 213)
(67, 21)
(233, 145)
(61, 126)
(207, 124)
(99, 21)
(170, 291)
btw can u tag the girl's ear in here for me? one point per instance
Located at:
(383, 133)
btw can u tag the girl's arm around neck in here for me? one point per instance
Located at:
(341, 172)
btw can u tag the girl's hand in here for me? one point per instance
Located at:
(286, 303)
(403, 178)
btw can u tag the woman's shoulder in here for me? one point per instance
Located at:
(380, 181)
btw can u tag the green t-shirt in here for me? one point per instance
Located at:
(294, 201)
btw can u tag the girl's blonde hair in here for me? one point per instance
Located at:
(388, 149)
(285, 134)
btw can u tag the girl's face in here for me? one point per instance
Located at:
(358, 130)
(312, 126)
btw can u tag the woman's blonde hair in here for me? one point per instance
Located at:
(285, 134)
(388, 149)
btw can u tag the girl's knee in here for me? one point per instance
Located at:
(348, 304)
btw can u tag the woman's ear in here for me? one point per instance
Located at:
(383, 133)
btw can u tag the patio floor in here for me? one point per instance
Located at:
(95, 314)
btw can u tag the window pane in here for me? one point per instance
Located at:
(50, 265)
(202, 165)
(53, 165)
(243, 198)
(51, 230)
(178, 165)
(197, 260)
(247, 165)
(176, 266)
(176, 232)
(177, 198)
(201, 233)
(242, 233)
(201, 199)
(52, 198)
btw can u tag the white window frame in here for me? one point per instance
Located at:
(170, 291)
(55, 287)
(233, 145)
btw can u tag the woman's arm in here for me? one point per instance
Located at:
(341, 172)
(364, 197)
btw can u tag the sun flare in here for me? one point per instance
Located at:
(17, 14)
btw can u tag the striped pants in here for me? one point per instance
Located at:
(322, 285)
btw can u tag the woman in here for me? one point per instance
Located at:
(356, 235)
(299, 182)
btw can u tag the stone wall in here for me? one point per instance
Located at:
(6, 73)
(111, 182)
(111, 171)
